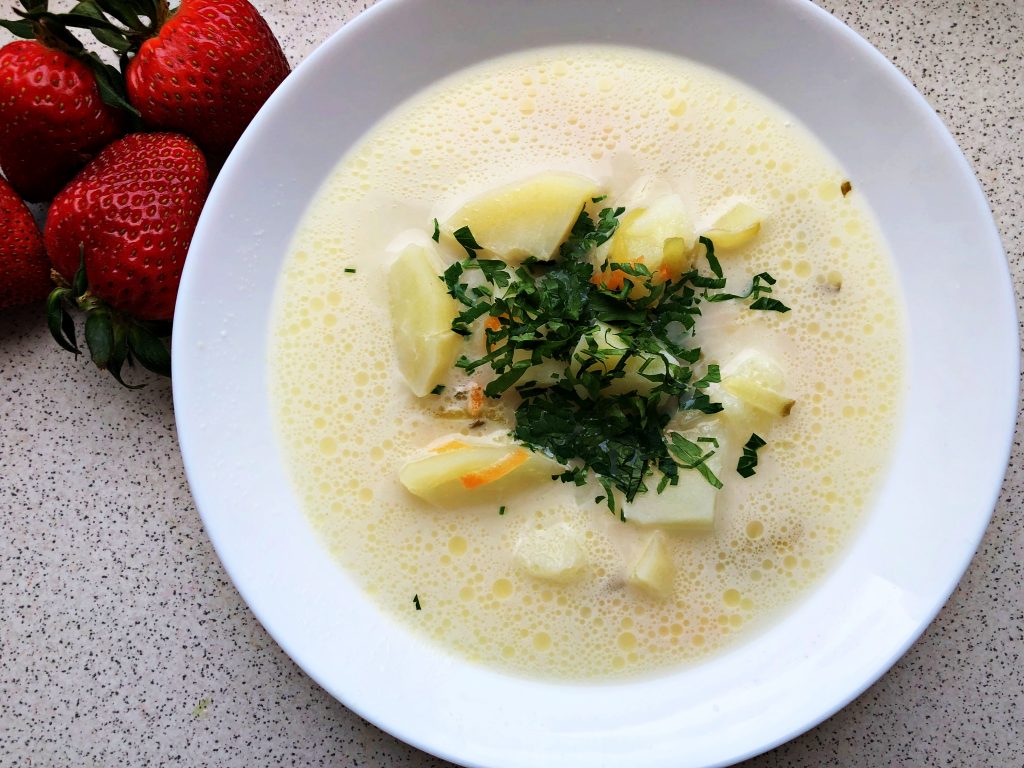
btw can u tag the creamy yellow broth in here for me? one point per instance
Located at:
(347, 422)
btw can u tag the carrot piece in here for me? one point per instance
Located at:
(476, 400)
(495, 471)
(448, 447)
(491, 323)
(612, 279)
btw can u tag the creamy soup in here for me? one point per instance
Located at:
(632, 121)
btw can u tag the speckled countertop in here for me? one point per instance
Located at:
(123, 643)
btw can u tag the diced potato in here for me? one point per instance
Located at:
(757, 381)
(597, 351)
(653, 569)
(461, 470)
(421, 317)
(660, 237)
(555, 553)
(737, 415)
(737, 227)
(759, 366)
(761, 397)
(528, 218)
(690, 504)
(544, 374)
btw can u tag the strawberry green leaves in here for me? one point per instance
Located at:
(60, 321)
(129, 32)
(111, 338)
(24, 28)
(148, 349)
(20, 28)
(103, 348)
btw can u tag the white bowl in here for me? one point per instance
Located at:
(918, 540)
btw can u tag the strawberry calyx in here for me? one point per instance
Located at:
(37, 23)
(111, 337)
(123, 25)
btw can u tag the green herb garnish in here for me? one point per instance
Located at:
(747, 465)
(436, 237)
(437, 390)
(416, 602)
(466, 240)
(501, 510)
(760, 287)
(625, 363)
(691, 455)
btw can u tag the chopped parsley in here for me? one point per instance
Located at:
(437, 390)
(692, 455)
(466, 240)
(629, 364)
(416, 602)
(501, 510)
(436, 237)
(747, 465)
(350, 270)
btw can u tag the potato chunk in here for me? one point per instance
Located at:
(735, 228)
(653, 570)
(690, 504)
(528, 218)
(421, 318)
(554, 554)
(601, 350)
(757, 381)
(461, 470)
(660, 237)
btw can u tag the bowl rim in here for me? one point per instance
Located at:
(192, 383)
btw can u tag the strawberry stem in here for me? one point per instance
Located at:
(163, 13)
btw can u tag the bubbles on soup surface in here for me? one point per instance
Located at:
(347, 423)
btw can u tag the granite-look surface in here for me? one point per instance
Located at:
(122, 642)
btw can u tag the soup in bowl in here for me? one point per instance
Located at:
(480, 586)
(446, 411)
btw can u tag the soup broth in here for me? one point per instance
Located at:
(631, 121)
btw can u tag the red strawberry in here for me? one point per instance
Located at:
(122, 228)
(24, 270)
(52, 119)
(132, 212)
(206, 72)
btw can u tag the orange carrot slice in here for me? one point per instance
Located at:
(495, 471)
(451, 445)
(476, 400)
